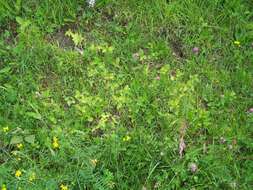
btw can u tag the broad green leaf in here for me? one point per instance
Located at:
(23, 23)
(5, 70)
(76, 38)
(30, 139)
(16, 140)
(34, 115)
(18, 5)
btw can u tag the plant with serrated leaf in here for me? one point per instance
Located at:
(76, 37)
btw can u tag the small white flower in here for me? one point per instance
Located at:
(222, 140)
(91, 3)
(193, 167)
(233, 185)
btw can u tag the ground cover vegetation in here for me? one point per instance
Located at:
(142, 95)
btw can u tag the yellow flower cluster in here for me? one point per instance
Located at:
(94, 162)
(55, 143)
(18, 173)
(6, 129)
(126, 138)
(4, 187)
(63, 187)
(238, 43)
(32, 177)
(20, 146)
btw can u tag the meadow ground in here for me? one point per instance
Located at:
(128, 95)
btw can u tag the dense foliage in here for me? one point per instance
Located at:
(126, 95)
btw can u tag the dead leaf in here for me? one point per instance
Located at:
(182, 147)
(182, 144)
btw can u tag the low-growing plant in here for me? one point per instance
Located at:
(139, 95)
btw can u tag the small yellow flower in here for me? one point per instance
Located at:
(238, 43)
(18, 159)
(94, 162)
(126, 138)
(63, 187)
(4, 187)
(18, 173)
(32, 177)
(20, 146)
(110, 49)
(55, 143)
(6, 129)
(172, 77)
(55, 139)
(14, 153)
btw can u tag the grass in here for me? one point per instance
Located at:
(114, 97)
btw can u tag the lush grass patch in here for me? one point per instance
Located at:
(126, 95)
